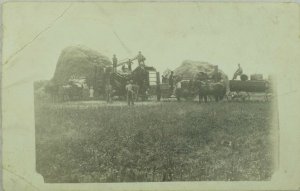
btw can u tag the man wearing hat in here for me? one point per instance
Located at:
(238, 72)
(141, 58)
(129, 90)
(129, 63)
(171, 82)
(115, 62)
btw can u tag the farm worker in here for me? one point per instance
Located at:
(163, 79)
(238, 72)
(141, 58)
(108, 91)
(129, 63)
(129, 90)
(158, 92)
(123, 68)
(115, 62)
(171, 81)
(178, 90)
(91, 92)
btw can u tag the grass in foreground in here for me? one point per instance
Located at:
(167, 142)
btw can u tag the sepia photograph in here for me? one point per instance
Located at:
(140, 110)
(157, 95)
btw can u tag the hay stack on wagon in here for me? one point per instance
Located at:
(77, 69)
(188, 72)
(80, 62)
(189, 69)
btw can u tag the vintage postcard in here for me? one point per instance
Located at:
(150, 96)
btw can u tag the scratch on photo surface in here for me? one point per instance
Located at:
(36, 36)
(113, 29)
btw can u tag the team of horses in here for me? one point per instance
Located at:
(74, 91)
(205, 90)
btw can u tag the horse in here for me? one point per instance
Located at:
(207, 89)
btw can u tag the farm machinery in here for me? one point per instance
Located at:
(145, 79)
(107, 81)
(246, 89)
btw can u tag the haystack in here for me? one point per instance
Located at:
(189, 69)
(78, 61)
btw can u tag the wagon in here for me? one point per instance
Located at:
(249, 89)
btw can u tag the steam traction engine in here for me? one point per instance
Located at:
(247, 89)
(145, 80)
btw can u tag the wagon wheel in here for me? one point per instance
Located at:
(229, 96)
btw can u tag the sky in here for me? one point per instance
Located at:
(254, 35)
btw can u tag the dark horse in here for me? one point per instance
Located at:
(206, 89)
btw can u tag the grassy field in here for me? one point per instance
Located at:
(163, 142)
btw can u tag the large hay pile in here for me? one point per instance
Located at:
(78, 61)
(189, 69)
